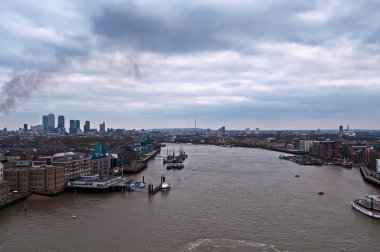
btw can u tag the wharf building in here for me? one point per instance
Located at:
(4, 185)
(326, 149)
(76, 165)
(305, 145)
(42, 179)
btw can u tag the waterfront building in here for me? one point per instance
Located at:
(2, 169)
(100, 163)
(4, 190)
(51, 121)
(45, 121)
(305, 145)
(74, 165)
(208, 133)
(326, 149)
(61, 123)
(42, 179)
(18, 179)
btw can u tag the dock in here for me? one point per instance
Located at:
(154, 190)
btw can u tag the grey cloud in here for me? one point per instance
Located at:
(203, 28)
(192, 28)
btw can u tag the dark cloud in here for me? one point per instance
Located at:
(193, 28)
(204, 28)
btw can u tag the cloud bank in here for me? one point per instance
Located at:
(144, 64)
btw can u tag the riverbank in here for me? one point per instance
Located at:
(14, 198)
(370, 176)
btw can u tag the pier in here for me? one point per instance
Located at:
(154, 190)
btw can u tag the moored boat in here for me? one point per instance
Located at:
(370, 205)
(165, 186)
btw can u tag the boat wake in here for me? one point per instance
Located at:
(228, 245)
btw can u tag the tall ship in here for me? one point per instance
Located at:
(369, 205)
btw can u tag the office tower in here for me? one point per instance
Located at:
(25, 127)
(208, 133)
(341, 132)
(61, 123)
(72, 128)
(102, 127)
(77, 125)
(45, 121)
(223, 131)
(51, 121)
(86, 127)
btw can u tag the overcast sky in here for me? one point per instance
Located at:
(275, 64)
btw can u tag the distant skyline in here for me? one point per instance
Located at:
(287, 64)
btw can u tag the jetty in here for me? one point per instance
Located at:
(154, 190)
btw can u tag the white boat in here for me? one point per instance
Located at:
(370, 205)
(165, 186)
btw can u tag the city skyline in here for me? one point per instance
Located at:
(142, 64)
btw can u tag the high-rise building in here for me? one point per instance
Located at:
(223, 131)
(25, 127)
(72, 128)
(86, 127)
(45, 121)
(61, 123)
(102, 127)
(341, 132)
(77, 125)
(257, 132)
(208, 133)
(51, 121)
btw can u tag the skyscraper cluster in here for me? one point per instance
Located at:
(48, 125)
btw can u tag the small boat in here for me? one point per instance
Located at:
(165, 186)
(370, 205)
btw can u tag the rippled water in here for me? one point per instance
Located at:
(225, 199)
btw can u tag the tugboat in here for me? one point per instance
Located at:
(370, 205)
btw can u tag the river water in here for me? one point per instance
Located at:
(225, 199)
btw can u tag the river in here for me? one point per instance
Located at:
(225, 199)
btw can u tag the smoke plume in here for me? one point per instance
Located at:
(19, 88)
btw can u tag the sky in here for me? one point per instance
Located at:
(275, 64)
